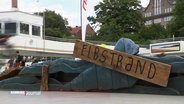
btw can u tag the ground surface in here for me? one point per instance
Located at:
(8, 97)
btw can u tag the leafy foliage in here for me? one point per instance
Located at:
(152, 32)
(118, 17)
(55, 24)
(177, 25)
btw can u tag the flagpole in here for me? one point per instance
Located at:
(80, 23)
(81, 16)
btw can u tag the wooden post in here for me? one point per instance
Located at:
(44, 78)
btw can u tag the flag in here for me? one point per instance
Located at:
(84, 18)
(14, 4)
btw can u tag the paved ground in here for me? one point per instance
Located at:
(8, 97)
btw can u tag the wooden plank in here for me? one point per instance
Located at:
(148, 70)
(44, 79)
(11, 72)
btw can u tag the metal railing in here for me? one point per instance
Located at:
(94, 42)
(73, 40)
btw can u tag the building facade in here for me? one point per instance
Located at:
(159, 12)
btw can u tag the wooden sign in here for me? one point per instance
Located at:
(141, 68)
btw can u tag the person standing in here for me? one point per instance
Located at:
(23, 61)
(18, 61)
(10, 62)
(34, 60)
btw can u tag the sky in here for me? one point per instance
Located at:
(69, 9)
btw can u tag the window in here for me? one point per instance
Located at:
(10, 28)
(157, 7)
(168, 18)
(36, 30)
(168, 10)
(24, 28)
(148, 14)
(148, 22)
(157, 20)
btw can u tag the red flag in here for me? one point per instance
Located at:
(14, 3)
(84, 4)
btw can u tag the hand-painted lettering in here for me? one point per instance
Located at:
(152, 71)
(89, 51)
(128, 66)
(83, 48)
(104, 53)
(96, 53)
(113, 54)
(119, 61)
(139, 65)
(132, 65)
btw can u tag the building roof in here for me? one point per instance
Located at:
(77, 31)
(21, 16)
(172, 1)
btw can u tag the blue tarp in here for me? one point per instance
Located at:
(90, 76)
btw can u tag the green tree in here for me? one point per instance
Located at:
(177, 25)
(117, 17)
(152, 32)
(55, 24)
